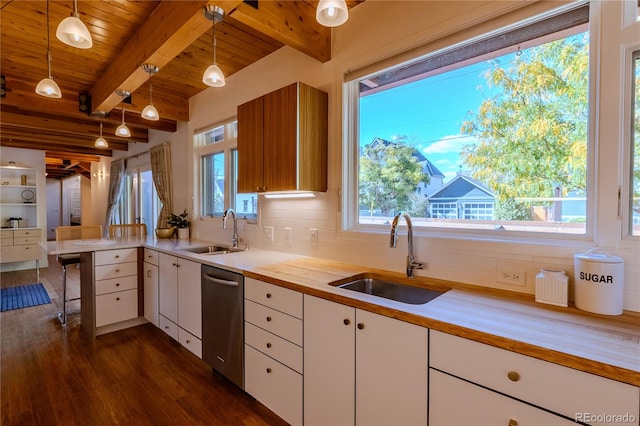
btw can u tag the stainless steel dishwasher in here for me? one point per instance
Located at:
(223, 322)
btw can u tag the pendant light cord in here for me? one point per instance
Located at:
(214, 40)
(48, 43)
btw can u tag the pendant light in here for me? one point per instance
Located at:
(47, 87)
(100, 141)
(213, 75)
(332, 13)
(73, 31)
(150, 112)
(122, 130)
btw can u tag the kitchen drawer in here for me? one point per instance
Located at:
(274, 346)
(19, 253)
(191, 342)
(115, 307)
(168, 327)
(455, 402)
(115, 271)
(6, 241)
(116, 284)
(108, 257)
(151, 256)
(19, 241)
(560, 389)
(27, 233)
(279, 298)
(274, 385)
(276, 322)
(6, 234)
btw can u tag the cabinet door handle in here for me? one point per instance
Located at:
(174, 264)
(178, 265)
(148, 273)
(188, 342)
(166, 327)
(268, 295)
(346, 321)
(513, 422)
(268, 345)
(360, 326)
(268, 370)
(268, 319)
(513, 376)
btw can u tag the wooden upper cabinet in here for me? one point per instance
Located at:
(282, 141)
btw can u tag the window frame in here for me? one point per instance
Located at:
(631, 53)
(350, 148)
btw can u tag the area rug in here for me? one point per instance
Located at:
(23, 296)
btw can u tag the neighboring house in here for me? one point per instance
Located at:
(462, 198)
(436, 177)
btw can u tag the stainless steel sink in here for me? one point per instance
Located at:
(212, 250)
(392, 291)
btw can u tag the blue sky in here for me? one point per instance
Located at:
(429, 112)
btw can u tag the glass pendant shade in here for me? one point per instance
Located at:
(213, 76)
(332, 13)
(101, 143)
(48, 88)
(73, 32)
(150, 113)
(123, 131)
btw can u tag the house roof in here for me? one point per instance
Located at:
(429, 167)
(463, 187)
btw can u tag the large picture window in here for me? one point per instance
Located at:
(492, 134)
(635, 147)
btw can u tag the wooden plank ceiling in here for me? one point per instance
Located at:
(171, 34)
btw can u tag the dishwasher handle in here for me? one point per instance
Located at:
(219, 281)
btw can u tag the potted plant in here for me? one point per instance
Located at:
(180, 222)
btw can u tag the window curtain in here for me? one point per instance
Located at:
(161, 172)
(115, 189)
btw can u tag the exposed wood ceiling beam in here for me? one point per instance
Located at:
(21, 97)
(166, 33)
(10, 142)
(292, 23)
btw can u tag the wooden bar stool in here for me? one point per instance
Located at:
(72, 233)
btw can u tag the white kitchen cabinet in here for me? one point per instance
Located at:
(559, 389)
(455, 402)
(273, 348)
(116, 286)
(370, 369)
(151, 290)
(180, 300)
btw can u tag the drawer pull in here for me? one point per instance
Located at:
(117, 299)
(346, 321)
(166, 327)
(513, 376)
(268, 370)
(268, 345)
(188, 342)
(117, 284)
(117, 256)
(117, 270)
(513, 422)
(268, 295)
(174, 264)
(268, 319)
(360, 326)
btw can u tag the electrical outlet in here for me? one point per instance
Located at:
(511, 276)
(313, 236)
(268, 232)
(287, 234)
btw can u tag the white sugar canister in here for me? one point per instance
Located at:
(599, 282)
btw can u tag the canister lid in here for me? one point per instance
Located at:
(598, 255)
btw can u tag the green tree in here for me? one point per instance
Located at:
(389, 176)
(531, 137)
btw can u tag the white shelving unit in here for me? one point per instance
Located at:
(18, 196)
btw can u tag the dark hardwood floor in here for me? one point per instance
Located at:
(52, 375)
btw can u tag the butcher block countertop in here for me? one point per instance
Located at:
(607, 346)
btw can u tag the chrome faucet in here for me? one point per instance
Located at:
(411, 262)
(225, 216)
